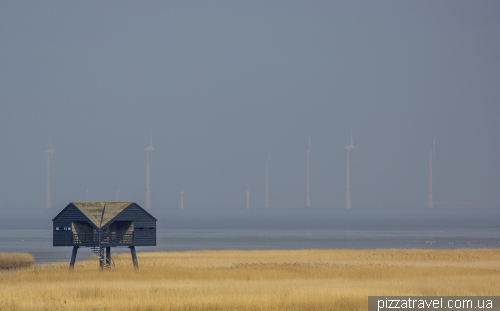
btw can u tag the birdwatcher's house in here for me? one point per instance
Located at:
(102, 225)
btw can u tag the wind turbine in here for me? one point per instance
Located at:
(117, 193)
(348, 148)
(86, 194)
(308, 198)
(248, 198)
(148, 150)
(267, 178)
(49, 153)
(432, 150)
(182, 198)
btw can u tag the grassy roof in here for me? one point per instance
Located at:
(94, 211)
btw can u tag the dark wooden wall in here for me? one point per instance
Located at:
(63, 237)
(144, 225)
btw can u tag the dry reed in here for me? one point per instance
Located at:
(252, 280)
(15, 260)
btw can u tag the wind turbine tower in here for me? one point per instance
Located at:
(248, 198)
(182, 199)
(267, 178)
(49, 153)
(308, 198)
(117, 193)
(432, 150)
(86, 194)
(348, 148)
(148, 150)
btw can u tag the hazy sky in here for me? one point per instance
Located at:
(219, 83)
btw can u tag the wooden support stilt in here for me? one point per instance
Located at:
(108, 256)
(134, 257)
(73, 258)
(101, 257)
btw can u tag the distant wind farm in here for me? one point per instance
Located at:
(432, 150)
(267, 178)
(308, 155)
(348, 148)
(182, 199)
(348, 205)
(248, 198)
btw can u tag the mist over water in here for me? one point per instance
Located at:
(282, 229)
(292, 218)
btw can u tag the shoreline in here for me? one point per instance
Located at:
(39, 242)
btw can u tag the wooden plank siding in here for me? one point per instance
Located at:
(144, 225)
(63, 237)
(144, 228)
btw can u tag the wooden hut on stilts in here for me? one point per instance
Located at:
(102, 225)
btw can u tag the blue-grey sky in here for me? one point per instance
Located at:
(219, 83)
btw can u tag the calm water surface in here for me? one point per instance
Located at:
(39, 242)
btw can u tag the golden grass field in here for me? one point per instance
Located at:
(251, 280)
(16, 260)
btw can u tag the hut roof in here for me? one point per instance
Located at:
(94, 211)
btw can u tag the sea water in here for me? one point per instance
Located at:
(216, 233)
